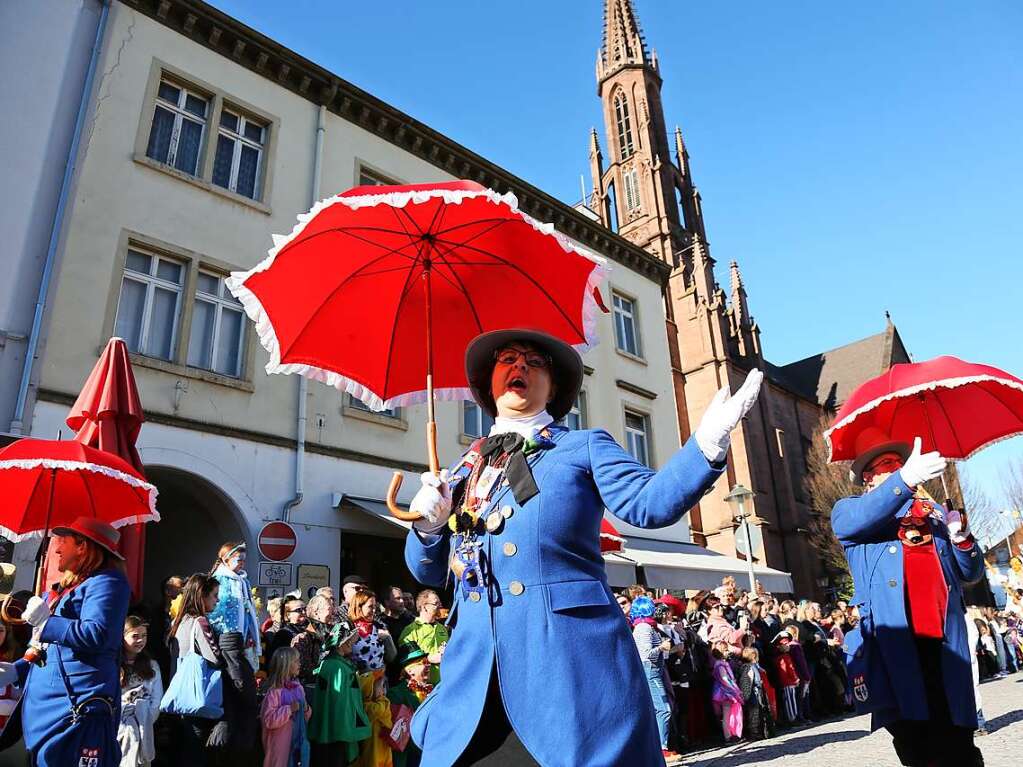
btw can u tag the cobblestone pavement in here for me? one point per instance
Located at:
(849, 741)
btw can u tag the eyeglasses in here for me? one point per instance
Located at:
(298, 610)
(533, 359)
(888, 464)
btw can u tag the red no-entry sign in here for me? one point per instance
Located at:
(277, 541)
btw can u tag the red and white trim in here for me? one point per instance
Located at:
(264, 328)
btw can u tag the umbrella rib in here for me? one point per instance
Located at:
(529, 277)
(341, 228)
(347, 230)
(474, 222)
(948, 420)
(998, 399)
(406, 289)
(477, 235)
(461, 287)
(88, 492)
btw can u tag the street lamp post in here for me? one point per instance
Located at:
(736, 499)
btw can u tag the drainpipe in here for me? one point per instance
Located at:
(58, 216)
(303, 382)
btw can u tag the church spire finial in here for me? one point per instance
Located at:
(623, 39)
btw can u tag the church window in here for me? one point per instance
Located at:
(630, 179)
(624, 124)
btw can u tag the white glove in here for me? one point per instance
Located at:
(958, 532)
(713, 435)
(432, 502)
(920, 468)
(37, 612)
(8, 674)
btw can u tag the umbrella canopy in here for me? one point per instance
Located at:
(955, 407)
(610, 538)
(349, 297)
(47, 483)
(108, 415)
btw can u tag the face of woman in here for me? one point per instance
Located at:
(211, 599)
(521, 381)
(135, 639)
(70, 552)
(369, 609)
(294, 668)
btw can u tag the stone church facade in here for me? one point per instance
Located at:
(653, 202)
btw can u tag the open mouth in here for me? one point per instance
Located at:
(516, 384)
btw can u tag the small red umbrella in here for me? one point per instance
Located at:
(378, 291)
(108, 415)
(957, 408)
(610, 538)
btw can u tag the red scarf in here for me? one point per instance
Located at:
(926, 589)
(365, 627)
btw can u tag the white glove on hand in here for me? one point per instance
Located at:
(956, 524)
(8, 674)
(920, 468)
(432, 502)
(37, 612)
(724, 413)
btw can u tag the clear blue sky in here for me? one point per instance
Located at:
(851, 158)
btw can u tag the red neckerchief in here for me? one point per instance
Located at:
(648, 621)
(420, 690)
(364, 626)
(926, 589)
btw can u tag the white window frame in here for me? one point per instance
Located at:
(180, 113)
(151, 281)
(466, 404)
(631, 432)
(579, 409)
(357, 404)
(631, 315)
(220, 303)
(239, 139)
(368, 177)
(630, 179)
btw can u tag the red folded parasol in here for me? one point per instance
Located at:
(955, 407)
(610, 538)
(108, 415)
(379, 290)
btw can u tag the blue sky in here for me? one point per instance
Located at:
(852, 158)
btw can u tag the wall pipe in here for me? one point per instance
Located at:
(17, 422)
(303, 382)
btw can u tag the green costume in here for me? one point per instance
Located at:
(338, 713)
(400, 694)
(428, 637)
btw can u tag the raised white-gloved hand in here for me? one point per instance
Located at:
(723, 414)
(8, 674)
(958, 531)
(920, 468)
(37, 612)
(432, 502)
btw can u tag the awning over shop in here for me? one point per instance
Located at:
(693, 567)
(621, 571)
(376, 509)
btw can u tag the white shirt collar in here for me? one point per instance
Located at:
(528, 426)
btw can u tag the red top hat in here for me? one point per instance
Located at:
(870, 443)
(676, 604)
(95, 530)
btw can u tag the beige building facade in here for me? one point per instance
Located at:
(205, 138)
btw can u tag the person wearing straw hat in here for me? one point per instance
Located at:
(71, 703)
(909, 659)
(517, 519)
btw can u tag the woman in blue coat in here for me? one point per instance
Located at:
(541, 667)
(71, 704)
(909, 659)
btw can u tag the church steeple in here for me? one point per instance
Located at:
(623, 43)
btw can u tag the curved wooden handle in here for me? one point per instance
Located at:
(19, 621)
(392, 500)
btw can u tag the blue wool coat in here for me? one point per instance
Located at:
(884, 670)
(570, 676)
(84, 635)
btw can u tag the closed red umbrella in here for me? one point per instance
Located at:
(379, 290)
(610, 538)
(108, 415)
(957, 408)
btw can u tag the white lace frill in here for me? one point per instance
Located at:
(29, 464)
(268, 338)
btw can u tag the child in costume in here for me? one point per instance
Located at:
(284, 713)
(803, 668)
(727, 696)
(339, 720)
(235, 610)
(415, 685)
(756, 710)
(374, 752)
(9, 694)
(788, 676)
(141, 691)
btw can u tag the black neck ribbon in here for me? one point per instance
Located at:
(517, 471)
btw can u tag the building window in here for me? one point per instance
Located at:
(358, 404)
(239, 157)
(630, 178)
(624, 125)
(217, 338)
(475, 423)
(369, 178)
(149, 306)
(637, 439)
(576, 418)
(626, 332)
(179, 124)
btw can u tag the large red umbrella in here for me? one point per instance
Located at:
(955, 407)
(379, 290)
(108, 415)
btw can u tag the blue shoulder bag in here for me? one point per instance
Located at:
(196, 689)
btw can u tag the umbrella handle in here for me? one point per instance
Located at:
(8, 618)
(392, 500)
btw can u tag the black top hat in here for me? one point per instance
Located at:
(566, 367)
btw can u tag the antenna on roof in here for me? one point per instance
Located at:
(582, 188)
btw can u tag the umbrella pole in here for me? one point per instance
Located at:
(41, 554)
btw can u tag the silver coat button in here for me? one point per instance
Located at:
(892, 549)
(494, 521)
(507, 511)
(893, 583)
(510, 549)
(516, 588)
(474, 596)
(898, 491)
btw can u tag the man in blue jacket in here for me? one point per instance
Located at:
(541, 667)
(909, 658)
